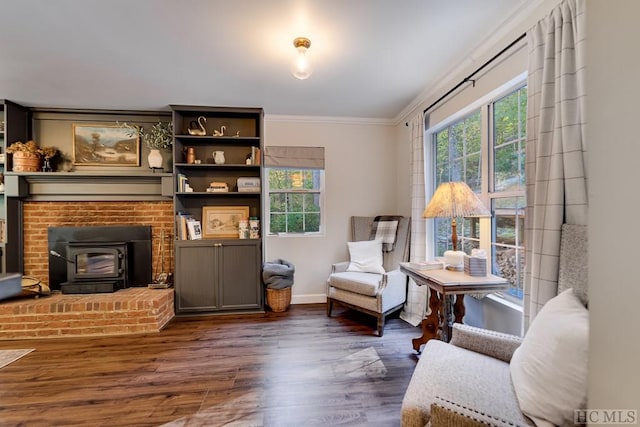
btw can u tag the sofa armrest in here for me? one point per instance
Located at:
(446, 413)
(339, 267)
(495, 344)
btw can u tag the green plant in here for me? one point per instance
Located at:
(158, 136)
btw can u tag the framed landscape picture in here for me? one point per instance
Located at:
(221, 222)
(105, 145)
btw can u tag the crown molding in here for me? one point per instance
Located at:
(370, 121)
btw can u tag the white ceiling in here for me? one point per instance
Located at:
(372, 58)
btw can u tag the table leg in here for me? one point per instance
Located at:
(447, 319)
(430, 324)
(458, 308)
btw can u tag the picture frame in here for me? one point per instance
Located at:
(194, 229)
(104, 145)
(221, 222)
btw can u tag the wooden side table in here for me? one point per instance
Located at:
(443, 284)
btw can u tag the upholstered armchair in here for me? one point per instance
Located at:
(375, 292)
(486, 378)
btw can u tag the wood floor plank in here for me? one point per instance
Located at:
(297, 368)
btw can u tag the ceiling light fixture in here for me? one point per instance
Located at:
(301, 67)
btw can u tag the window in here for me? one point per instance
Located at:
(508, 137)
(295, 200)
(295, 190)
(458, 158)
(496, 132)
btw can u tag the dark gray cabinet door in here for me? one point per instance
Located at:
(239, 275)
(195, 281)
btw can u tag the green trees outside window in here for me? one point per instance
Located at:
(295, 200)
(498, 129)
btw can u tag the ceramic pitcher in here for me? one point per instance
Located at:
(218, 157)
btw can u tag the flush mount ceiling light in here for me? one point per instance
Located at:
(301, 67)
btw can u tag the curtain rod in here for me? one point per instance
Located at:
(469, 77)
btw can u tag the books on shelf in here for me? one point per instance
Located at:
(187, 227)
(218, 187)
(255, 155)
(183, 183)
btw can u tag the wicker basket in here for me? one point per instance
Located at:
(26, 162)
(279, 299)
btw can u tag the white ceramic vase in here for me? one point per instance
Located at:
(155, 159)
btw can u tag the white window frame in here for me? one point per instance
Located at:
(267, 204)
(486, 195)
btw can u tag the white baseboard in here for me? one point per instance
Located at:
(309, 299)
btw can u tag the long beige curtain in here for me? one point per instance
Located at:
(556, 147)
(415, 307)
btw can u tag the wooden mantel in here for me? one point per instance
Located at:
(89, 186)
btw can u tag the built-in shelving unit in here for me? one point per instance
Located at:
(217, 274)
(16, 127)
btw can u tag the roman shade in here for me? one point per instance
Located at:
(294, 157)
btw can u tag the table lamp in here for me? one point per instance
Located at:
(455, 200)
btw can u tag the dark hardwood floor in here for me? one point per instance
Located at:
(297, 368)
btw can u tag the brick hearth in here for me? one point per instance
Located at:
(127, 311)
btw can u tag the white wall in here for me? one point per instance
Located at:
(360, 179)
(613, 68)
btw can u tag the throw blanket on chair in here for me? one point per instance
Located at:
(385, 227)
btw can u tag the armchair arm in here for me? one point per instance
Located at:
(446, 413)
(392, 277)
(339, 267)
(495, 344)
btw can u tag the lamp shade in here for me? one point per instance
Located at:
(455, 200)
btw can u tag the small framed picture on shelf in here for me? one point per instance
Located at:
(194, 229)
(104, 145)
(221, 222)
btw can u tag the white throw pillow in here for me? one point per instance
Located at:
(549, 369)
(366, 256)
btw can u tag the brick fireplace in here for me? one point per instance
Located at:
(133, 310)
(38, 216)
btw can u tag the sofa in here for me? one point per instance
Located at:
(483, 377)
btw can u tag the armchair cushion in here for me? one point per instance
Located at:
(366, 256)
(359, 283)
(471, 379)
(549, 369)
